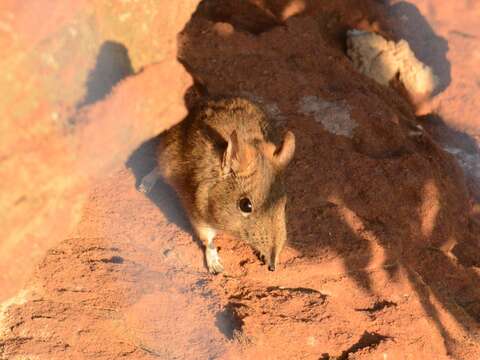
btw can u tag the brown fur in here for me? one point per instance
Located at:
(222, 152)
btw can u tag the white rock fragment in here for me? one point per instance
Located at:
(334, 116)
(382, 60)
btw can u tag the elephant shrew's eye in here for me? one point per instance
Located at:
(245, 205)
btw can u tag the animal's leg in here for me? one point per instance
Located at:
(148, 181)
(207, 234)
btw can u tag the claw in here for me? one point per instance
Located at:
(213, 261)
(148, 181)
(215, 268)
(145, 188)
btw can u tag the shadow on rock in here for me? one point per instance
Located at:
(141, 162)
(113, 64)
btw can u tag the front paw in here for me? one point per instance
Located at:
(148, 181)
(146, 185)
(213, 261)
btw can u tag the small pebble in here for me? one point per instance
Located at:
(223, 29)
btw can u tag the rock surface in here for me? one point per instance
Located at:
(83, 83)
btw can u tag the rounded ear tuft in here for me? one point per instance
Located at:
(284, 154)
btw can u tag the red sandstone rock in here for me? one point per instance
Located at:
(51, 145)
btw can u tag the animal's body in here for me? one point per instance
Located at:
(228, 173)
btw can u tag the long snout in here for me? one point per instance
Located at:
(272, 266)
(279, 236)
(273, 259)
